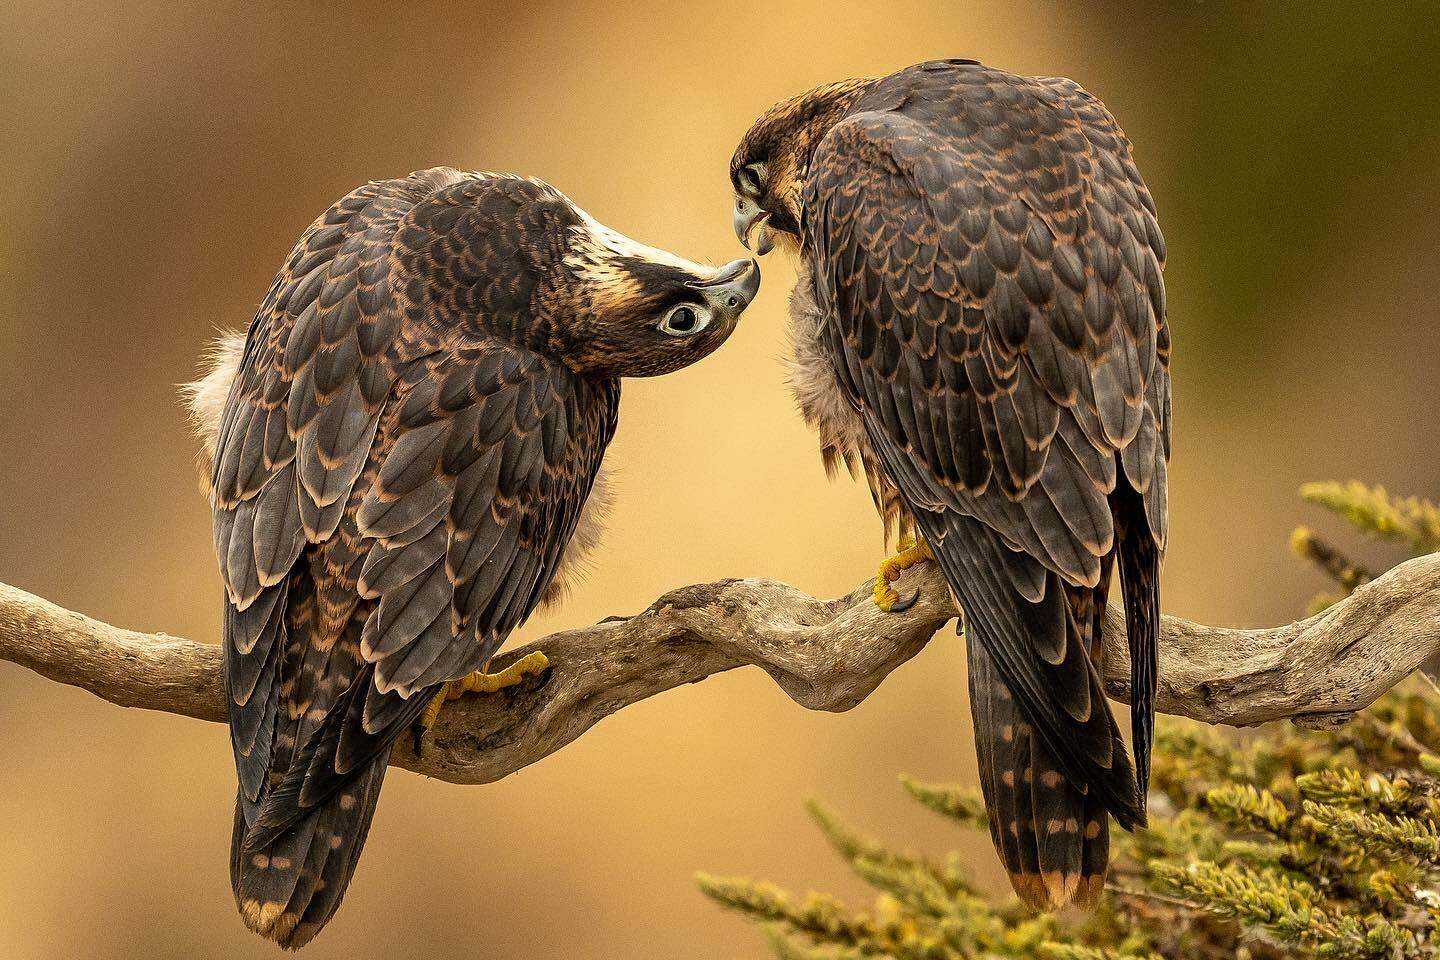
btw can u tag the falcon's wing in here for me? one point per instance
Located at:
(295, 434)
(405, 494)
(491, 454)
(990, 265)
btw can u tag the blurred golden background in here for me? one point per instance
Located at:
(158, 162)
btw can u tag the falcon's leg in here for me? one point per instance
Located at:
(913, 550)
(530, 665)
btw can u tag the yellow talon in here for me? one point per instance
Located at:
(913, 550)
(428, 718)
(530, 665)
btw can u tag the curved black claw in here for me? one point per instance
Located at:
(904, 603)
(417, 736)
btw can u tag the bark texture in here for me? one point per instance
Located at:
(825, 655)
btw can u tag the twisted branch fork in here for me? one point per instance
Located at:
(825, 655)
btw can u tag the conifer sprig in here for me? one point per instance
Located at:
(1411, 520)
(956, 803)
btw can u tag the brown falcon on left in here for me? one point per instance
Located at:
(402, 446)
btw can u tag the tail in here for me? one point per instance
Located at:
(1053, 766)
(1053, 837)
(291, 886)
(1140, 588)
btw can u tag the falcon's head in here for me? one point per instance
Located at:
(769, 168)
(635, 311)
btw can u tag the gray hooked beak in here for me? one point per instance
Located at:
(733, 287)
(748, 219)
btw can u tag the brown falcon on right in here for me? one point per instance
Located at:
(979, 326)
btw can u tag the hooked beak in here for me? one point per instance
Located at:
(748, 219)
(733, 287)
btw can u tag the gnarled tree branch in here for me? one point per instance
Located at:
(825, 654)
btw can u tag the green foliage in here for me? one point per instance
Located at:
(1270, 845)
(1243, 807)
(957, 804)
(1411, 521)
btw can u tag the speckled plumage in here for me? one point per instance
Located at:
(981, 324)
(402, 448)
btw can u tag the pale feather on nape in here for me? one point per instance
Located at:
(205, 398)
(598, 255)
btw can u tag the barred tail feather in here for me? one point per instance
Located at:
(1052, 836)
(288, 889)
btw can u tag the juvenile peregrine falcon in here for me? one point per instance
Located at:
(403, 445)
(979, 326)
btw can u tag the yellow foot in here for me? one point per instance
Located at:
(912, 551)
(530, 665)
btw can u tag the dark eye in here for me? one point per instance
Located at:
(752, 178)
(684, 320)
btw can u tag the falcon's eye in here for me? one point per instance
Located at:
(752, 178)
(684, 320)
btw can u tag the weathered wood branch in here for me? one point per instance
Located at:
(825, 654)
